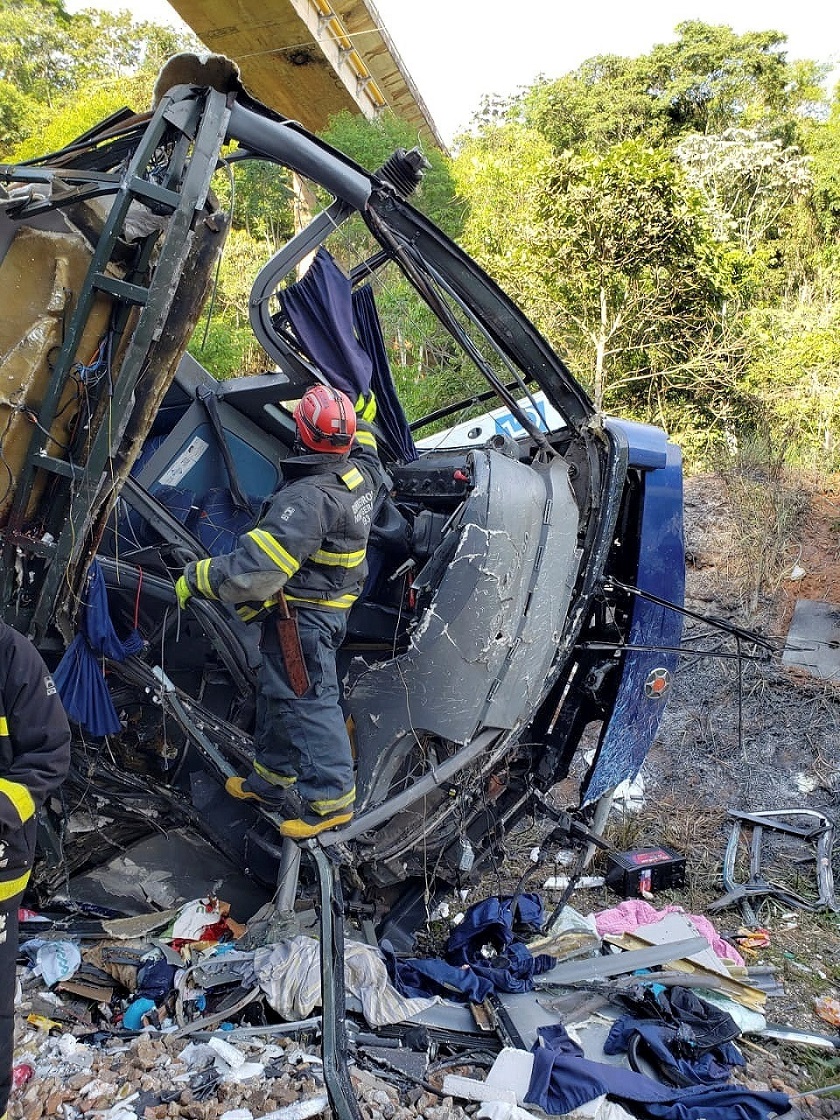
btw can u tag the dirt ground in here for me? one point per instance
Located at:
(754, 736)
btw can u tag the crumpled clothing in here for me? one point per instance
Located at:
(155, 980)
(635, 912)
(563, 1079)
(493, 920)
(420, 977)
(497, 922)
(709, 1068)
(289, 974)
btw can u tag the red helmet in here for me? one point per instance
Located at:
(325, 420)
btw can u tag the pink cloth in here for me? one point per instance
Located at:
(635, 912)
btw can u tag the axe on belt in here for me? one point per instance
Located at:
(288, 637)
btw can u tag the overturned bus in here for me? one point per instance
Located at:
(524, 553)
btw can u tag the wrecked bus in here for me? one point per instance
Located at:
(515, 627)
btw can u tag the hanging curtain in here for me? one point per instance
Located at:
(389, 412)
(341, 333)
(79, 676)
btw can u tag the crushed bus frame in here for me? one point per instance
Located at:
(491, 636)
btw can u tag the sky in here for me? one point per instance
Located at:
(459, 50)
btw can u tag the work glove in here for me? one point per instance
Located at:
(182, 590)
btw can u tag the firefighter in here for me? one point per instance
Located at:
(307, 558)
(35, 751)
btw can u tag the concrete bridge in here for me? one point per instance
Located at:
(309, 59)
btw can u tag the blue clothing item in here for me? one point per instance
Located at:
(515, 969)
(303, 737)
(390, 417)
(492, 921)
(79, 677)
(155, 980)
(319, 308)
(420, 977)
(563, 1079)
(673, 1049)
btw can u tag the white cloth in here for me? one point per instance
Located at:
(289, 974)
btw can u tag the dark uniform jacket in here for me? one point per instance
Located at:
(34, 753)
(311, 541)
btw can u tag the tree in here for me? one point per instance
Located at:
(59, 73)
(634, 267)
(371, 143)
(749, 184)
(709, 80)
(502, 174)
(822, 141)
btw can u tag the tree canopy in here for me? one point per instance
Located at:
(670, 221)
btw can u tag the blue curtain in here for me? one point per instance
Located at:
(341, 333)
(79, 676)
(389, 412)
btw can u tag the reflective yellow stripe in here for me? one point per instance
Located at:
(344, 602)
(202, 579)
(352, 478)
(339, 559)
(365, 407)
(20, 797)
(4, 730)
(246, 613)
(331, 804)
(275, 551)
(14, 886)
(275, 779)
(366, 439)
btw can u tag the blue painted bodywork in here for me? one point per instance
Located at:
(635, 717)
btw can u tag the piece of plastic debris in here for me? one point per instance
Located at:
(57, 960)
(585, 883)
(21, 1073)
(440, 912)
(67, 1045)
(42, 1023)
(133, 1015)
(828, 1009)
(227, 1052)
(512, 1070)
(300, 1110)
(194, 917)
(468, 1089)
(749, 941)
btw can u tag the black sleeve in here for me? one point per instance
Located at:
(39, 733)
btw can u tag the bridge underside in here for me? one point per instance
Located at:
(309, 59)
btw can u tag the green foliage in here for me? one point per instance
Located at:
(822, 141)
(794, 371)
(709, 80)
(503, 173)
(671, 222)
(223, 341)
(260, 196)
(60, 73)
(53, 128)
(371, 143)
